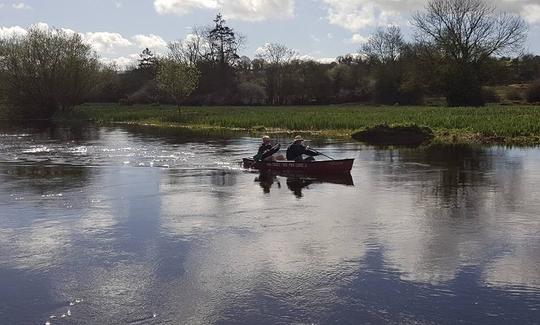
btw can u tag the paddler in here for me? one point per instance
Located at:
(266, 149)
(297, 149)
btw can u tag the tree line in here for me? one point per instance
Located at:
(460, 47)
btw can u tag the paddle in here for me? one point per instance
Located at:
(267, 153)
(322, 154)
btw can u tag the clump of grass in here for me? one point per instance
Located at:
(384, 134)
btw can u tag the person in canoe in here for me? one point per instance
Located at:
(297, 150)
(266, 150)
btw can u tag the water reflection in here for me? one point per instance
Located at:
(297, 182)
(431, 236)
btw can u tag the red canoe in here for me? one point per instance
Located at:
(304, 167)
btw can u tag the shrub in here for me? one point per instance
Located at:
(126, 101)
(533, 93)
(490, 95)
(514, 94)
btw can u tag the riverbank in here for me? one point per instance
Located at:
(505, 125)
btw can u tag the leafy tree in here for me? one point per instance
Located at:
(46, 70)
(467, 33)
(177, 79)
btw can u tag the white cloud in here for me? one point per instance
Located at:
(118, 5)
(21, 6)
(182, 7)
(531, 13)
(122, 63)
(7, 32)
(151, 41)
(257, 10)
(355, 15)
(106, 42)
(357, 39)
(247, 10)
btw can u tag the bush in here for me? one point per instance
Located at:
(514, 94)
(126, 101)
(533, 93)
(411, 94)
(147, 94)
(251, 93)
(490, 95)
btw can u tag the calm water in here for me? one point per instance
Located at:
(118, 226)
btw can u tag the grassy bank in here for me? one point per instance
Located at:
(516, 125)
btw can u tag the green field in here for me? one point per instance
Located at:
(491, 124)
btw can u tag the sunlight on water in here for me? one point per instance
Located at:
(118, 225)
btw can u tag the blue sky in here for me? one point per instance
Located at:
(321, 29)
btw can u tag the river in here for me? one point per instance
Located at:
(118, 225)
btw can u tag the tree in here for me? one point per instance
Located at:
(467, 33)
(385, 45)
(177, 79)
(277, 58)
(383, 50)
(193, 49)
(46, 70)
(147, 60)
(223, 43)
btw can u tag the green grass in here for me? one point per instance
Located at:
(491, 124)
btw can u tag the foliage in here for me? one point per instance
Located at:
(489, 95)
(46, 70)
(177, 79)
(533, 93)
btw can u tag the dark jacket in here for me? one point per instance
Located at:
(296, 150)
(264, 147)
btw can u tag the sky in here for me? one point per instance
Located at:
(319, 29)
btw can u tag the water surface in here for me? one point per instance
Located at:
(137, 226)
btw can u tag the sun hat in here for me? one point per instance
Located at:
(298, 138)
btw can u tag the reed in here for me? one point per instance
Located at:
(499, 123)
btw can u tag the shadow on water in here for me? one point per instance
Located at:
(296, 183)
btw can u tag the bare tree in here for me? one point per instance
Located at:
(466, 33)
(193, 49)
(276, 54)
(470, 30)
(277, 58)
(385, 45)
